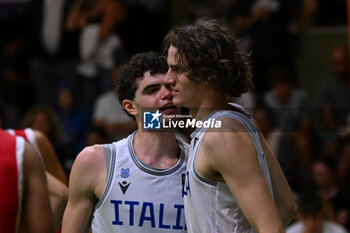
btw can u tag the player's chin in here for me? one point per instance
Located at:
(179, 102)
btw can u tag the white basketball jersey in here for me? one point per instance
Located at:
(209, 205)
(137, 197)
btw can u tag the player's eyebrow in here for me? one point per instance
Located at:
(177, 67)
(148, 87)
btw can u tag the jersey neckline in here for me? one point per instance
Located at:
(152, 170)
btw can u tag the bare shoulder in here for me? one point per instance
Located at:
(231, 142)
(90, 157)
(45, 147)
(88, 173)
(39, 136)
(227, 154)
(231, 131)
(31, 157)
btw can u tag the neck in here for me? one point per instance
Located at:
(157, 149)
(213, 101)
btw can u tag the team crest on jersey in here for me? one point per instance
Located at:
(125, 172)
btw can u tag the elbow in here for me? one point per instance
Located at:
(63, 196)
(58, 204)
(289, 213)
(58, 196)
(59, 200)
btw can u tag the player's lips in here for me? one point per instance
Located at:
(168, 109)
(167, 106)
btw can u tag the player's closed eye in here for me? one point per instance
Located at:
(152, 90)
(178, 69)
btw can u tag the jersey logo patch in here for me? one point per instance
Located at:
(124, 186)
(125, 172)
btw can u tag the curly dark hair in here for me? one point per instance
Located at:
(135, 69)
(209, 53)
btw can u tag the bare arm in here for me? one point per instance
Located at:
(308, 11)
(86, 183)
(114, 13)
(281, 190)
(235, 161)
(76, 18)
(51, 162)
(58, 194)
(36, 205)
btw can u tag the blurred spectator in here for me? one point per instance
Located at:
(45, 120)
(296, 153)
(331, 147)
(270, 30)
(97, 20)
(299, 144)
(344, 161)
(311, 217)
(290, 106)
(107, 13)
(96, 135)
(325, 176)
(334, 93)
(73, 120)
(54, 49)
(108, 112)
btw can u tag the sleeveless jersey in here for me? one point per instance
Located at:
(28, 135)
(138, 197)
(11, 179)
(209, 205)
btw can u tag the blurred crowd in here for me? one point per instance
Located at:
(59, 61)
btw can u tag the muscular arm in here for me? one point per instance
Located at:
(283, 195)
(235, 161)
(86, 184)
(36, 213)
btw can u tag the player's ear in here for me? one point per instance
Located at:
(129, 106)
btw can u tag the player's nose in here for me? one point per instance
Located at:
(170, 78)
(166, 92)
